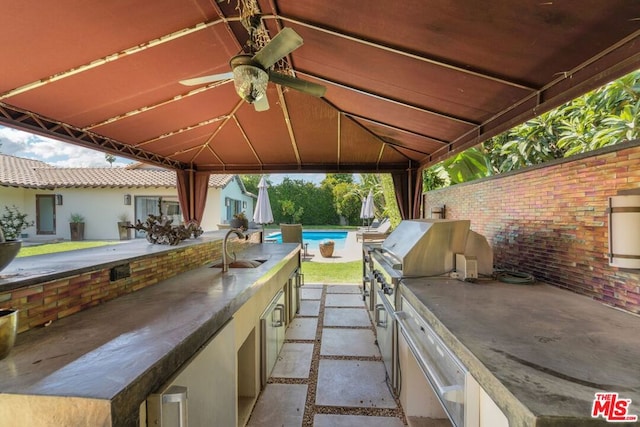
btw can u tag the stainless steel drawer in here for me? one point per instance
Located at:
(440, 366)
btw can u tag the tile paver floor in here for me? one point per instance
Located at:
(311, 293)
(309, 308)
(347, 317)
(343, 289)
(294, 361)
(302, 328)
(348, 342)
(343, 300)
(279, 405)
(329, 372)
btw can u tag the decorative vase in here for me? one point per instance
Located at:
(8, 329)
(8, 251)
(326, 249)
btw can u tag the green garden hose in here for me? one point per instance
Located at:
(515, 277)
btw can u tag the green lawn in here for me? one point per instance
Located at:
(51, 248)
(332, 272)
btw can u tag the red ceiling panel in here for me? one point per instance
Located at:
(135, 81)
(232, 147)
(268, 130)
(45, 38)
(315, 128)
(428, 79)
(174, 116)
(187, 140)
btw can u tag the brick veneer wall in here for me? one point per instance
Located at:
(551, 221)
(49, 301)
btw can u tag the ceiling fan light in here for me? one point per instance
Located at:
(250, 82)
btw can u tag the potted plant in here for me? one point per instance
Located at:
(326, 248)
(124, 227)
(76, 226)
(239, 221)
(12, 223)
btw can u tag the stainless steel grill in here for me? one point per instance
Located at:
(416, 248)
(426, 247)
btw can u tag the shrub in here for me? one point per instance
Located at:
(13, 222)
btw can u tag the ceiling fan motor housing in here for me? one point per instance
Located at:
(249, 78)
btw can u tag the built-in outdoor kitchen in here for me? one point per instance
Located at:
(459, 345)
(209, 332)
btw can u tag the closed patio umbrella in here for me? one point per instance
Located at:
(367, 210)
(263, 214)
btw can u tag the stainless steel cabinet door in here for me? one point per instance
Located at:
(272, 325)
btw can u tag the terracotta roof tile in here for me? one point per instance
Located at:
(27, 173)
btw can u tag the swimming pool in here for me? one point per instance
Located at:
(313, 238)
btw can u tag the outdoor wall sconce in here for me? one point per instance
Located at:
(244, 205)
(624, 231)
(59, 199)
(127, 199)
(227, 202)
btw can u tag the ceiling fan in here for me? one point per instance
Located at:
(251, 74)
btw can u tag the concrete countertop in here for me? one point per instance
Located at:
(539, 351)
(27, 271)
(126, 348)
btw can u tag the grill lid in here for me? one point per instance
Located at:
(427, 247)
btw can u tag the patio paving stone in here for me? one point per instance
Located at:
(346, 317)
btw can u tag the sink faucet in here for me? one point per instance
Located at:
(225, 255)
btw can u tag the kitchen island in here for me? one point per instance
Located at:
(540, 352)
(97, 366)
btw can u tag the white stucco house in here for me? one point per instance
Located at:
(50, 195)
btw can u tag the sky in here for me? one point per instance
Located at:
(62, 154)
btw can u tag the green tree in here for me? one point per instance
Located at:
(347, 203)
(317, 202)
(390, 209)
(602, 117)
(110, 158)
(251, 182)
(290, 210)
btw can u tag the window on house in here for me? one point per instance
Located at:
(233, 207)
(150, 205)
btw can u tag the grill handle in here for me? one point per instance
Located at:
(379, 321)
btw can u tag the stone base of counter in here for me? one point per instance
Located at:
(55, 299)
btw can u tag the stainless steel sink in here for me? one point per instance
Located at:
(242, 263)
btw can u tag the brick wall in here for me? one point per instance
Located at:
(551, 221)
(49, 301)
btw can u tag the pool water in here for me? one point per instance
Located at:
(314, 238)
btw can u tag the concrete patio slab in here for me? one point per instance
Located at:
(348, 342)
(309, 308)
(344, 289)
(294, 361)
(353, 383)
(302, 328)
(330, 420)
(311, 293)
(279, 405)
(344, 300)
(346, 317)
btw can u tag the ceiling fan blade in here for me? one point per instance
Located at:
(207, 79)
(285, 42)
(262, 104)
(297, 84)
